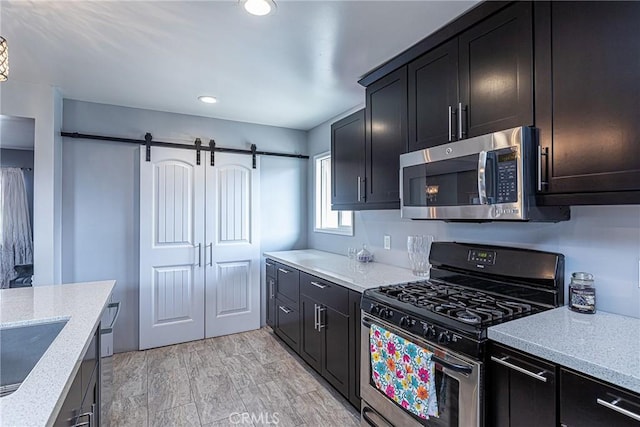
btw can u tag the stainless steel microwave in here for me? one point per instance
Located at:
(486, 178)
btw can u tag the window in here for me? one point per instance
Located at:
(328, 221)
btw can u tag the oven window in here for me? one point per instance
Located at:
(446, 183)
(447, 391)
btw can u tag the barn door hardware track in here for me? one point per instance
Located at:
(148, 142)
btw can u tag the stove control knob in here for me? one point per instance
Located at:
(407, 322)
(430, 332)
(444, 337)
(383, 313)
(375, 309)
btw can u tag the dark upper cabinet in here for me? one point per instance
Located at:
(521, 389)
(477, 83)
(386, 139)
(496, 72)
(347, 161)
(590, 403)
(433, 97)
(587, 99)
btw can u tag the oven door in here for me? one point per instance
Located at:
(457, 387)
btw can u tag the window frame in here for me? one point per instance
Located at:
(343, 230)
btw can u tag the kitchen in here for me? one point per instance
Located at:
(95, 197)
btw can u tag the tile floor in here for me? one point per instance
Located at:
(213, 382)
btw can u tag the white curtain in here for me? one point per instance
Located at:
(15, 229)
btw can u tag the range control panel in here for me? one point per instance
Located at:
(482, 256)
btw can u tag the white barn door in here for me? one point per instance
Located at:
(232, 245)
(172, 206)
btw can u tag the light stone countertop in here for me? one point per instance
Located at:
(343, 271)
(40, 397)
(603, 345)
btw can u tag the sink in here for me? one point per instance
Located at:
(20, 349)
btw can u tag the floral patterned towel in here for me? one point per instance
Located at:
(404, 372)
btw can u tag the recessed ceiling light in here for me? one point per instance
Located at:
(208, 99)
(259, 7)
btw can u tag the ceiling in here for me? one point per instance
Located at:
(295, 68)
(17, 132)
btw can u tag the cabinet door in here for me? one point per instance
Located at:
(71, 406)
(288, 285)
(433, 97)
(521, 389)
(347, 160)
(270, 301)
(496, 84)
(589, 403)
(311, 336)
(354, 348)
(288, 324)
(335, 354)
(386, 139)
(595, 135)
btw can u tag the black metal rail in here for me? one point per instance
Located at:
(148, 142)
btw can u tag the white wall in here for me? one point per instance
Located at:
(100, 192)
(603, 240)
(44, 104)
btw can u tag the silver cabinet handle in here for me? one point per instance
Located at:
(503, 361)
(541, 152)
(450, 125)
(285, 309)
(282, 270)
(359, 186)
(482, 177)
(318, 285)
(315, 316)
(111, 305)
(89, 422)
(459, 120)
(321, 309)
(199, 254)
(614, 406)
(268, 264)
(210, 245)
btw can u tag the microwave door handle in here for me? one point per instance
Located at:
(482, 177)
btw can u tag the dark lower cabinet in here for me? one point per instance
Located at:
(81, 406)
(287, 324)
(586, 402)
(287, 284)
(334, 328)
(311, 339)
(354, 347)
(587, 100)
(271, 301)
(323, 327)
(521, 389)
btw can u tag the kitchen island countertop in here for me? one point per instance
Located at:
(603, 345)
(40, 397)
(342, 270)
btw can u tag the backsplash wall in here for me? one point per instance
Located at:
(602, 240)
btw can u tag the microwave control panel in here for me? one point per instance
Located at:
(507, 182)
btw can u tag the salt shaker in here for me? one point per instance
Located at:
(582, 293)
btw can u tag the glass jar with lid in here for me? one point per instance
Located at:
(582, 293)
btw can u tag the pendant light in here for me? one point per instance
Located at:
(4, 60)
(259, 7)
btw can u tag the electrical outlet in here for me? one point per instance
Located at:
(387, 242)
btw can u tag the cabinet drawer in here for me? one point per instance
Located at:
(270, 267)
(288, 324)
(589, 403)
(327, 293)
(288, 284)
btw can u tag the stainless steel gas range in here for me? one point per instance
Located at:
(471, 287)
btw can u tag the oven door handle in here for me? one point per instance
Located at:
(453, 366)
(365, 411)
